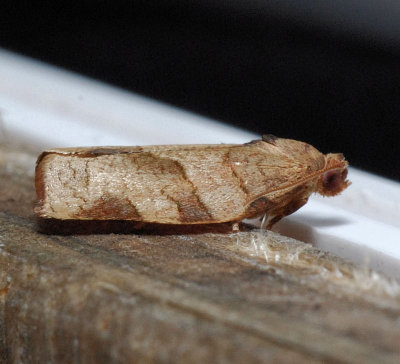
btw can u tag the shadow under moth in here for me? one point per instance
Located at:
(185, 184)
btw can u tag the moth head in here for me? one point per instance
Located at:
(334, 178)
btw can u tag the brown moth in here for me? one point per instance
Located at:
(185, 184)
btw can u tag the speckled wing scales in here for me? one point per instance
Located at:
(279, 176)
(163, 184)
(178, 184)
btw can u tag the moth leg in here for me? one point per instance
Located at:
(264, 221)
(273, 220)
(235, 227)
(287, 210)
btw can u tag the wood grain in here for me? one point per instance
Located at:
(250, 297)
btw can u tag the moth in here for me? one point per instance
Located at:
(185, 184)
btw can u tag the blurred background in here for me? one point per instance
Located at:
(323, 72)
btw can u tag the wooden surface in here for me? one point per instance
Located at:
(212, 297)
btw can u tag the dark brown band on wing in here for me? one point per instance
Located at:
(190, 207)
(228, 162)
(110, 208)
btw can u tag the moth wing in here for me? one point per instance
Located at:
(172, 184)
(265, 167)
(162, 184)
